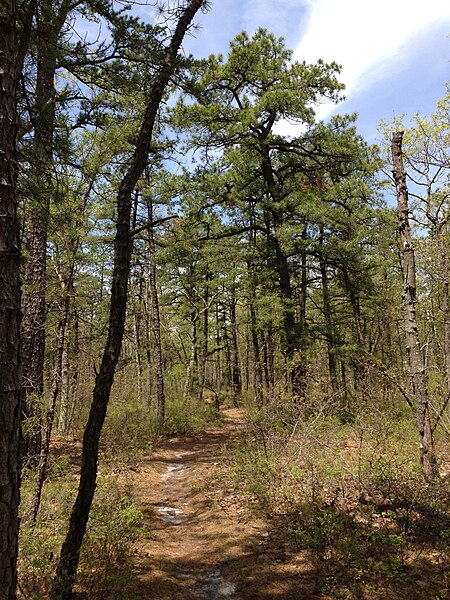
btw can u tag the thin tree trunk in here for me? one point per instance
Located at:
(63, 418)
(445, 285)
(204, 355)
(218, 361)
(246, 369)
(257, 373)
(156, 319)
(9, 305)
(137, 353)
(236, 388)
(332, 367)
(56, 386)
(148, 347)
(416, 359)
(73, 367)
(70, 551)
(192, 360)
(50, 21)
(269, 343)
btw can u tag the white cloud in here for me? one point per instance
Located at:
(361, 35)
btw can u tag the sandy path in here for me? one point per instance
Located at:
(200, 543)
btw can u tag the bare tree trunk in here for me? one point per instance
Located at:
(257, 373)
(332, 367)
(56, 386)
(73, 372)
(204, 355)
(445, 285)
(246, 369)
(270, 356)
(156, 319)
(236, 388)
(9, 304)
(137, 352)
(63, 417)
(148, 347)
(416, 360)
(50, 21)
(218, 361)
(193, 358)
(70, 551)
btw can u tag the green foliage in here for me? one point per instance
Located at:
(350, 496)
(132, 427)
(185, 417)
(114, 524)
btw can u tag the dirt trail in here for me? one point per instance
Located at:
(201, 543)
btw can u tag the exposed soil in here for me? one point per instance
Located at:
(202, 541)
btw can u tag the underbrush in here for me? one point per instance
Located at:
(115, 522)
(131, 427)
(352, 497)
(105, 562)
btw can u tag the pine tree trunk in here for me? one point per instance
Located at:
(137, 353)
(218, 361)
(156, 319)
(148, 348)
(257, 372)
(271, 356)
(50, 23)
(332, 367)
(268, 357)
(204, 355)
(416, 359)
(70, 551)
(9, 305)
(73, 371)
(190, 371)
(56, 386)
(236, 389)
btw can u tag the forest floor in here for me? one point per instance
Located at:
(201, 539)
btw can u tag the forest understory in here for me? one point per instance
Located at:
(224, 349)
(252, 504)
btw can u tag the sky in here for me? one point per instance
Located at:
(394, 53)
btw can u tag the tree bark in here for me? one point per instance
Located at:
(49, 25)
(236, 389)
(56, 386)
(218, 364)
(148, 346)
(191, 368)
(156, 319)
(445, 285)
(137, 352)
(70, 551)
(416, 359)
(257, 372)
(332, 366)
(204, 354)
(9, 304)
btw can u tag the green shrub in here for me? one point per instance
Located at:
(114, 523)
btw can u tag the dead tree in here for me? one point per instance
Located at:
(416, 359)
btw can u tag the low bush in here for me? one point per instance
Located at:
(114, 524)
(352, 496)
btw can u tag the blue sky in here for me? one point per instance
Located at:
(394, 53)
